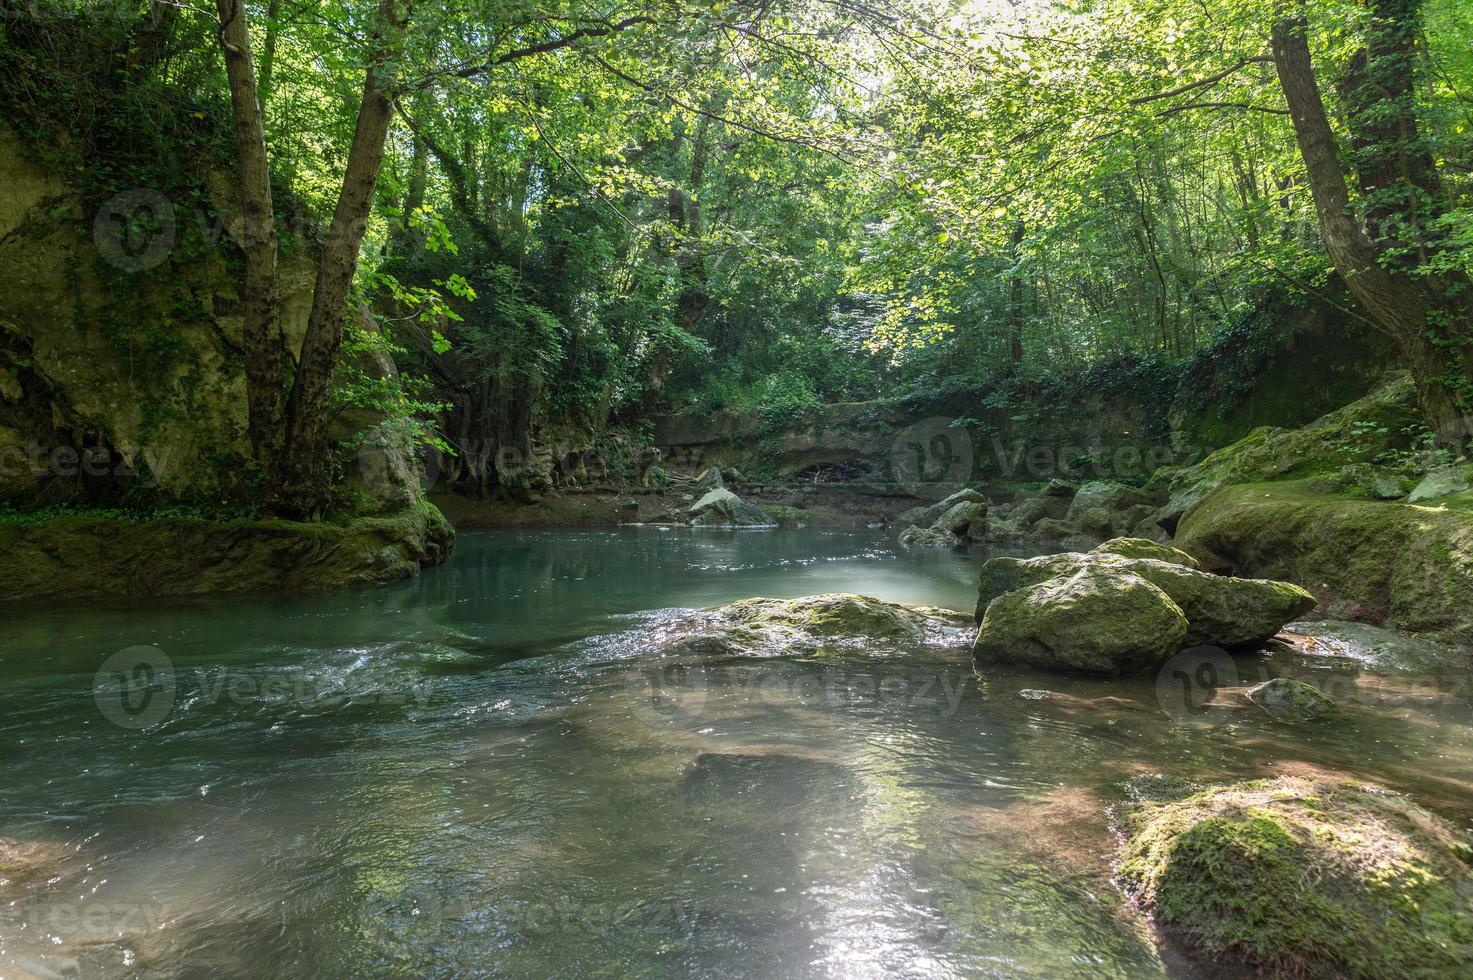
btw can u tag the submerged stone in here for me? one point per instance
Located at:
(835, 623)
(1303, 877)
(1372, 646)
(1287, 699)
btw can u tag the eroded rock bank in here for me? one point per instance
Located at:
(85, 556)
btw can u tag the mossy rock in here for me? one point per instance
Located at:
(1145, 548)
(1287, 699)
(1096, 621)
(86, 556)
(1299, 877)
(1220, 611)
(1355, 434)
(1405, 566)
(1373, 647)
(835, 623)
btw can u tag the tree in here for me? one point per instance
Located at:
(289, 430)
(288, 422)
(1390, 250)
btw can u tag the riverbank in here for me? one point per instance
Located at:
(87, 555)
(796, 505)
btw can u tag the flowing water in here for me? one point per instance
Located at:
(484, 771)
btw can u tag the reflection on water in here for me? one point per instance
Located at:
(480, 772)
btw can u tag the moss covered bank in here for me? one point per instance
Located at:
(83, 556)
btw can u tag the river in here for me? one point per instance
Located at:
(482, 772)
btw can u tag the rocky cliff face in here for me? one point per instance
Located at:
(122, 382)
(120, 366)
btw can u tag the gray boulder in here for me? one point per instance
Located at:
(926, 516)
(1030, 510)
(959, 519)
(1112, 497)
(1373, 647)
(927, 537)
(709, 479)
(1221, 611)
(722, 508)
(1442, 483)
(1094, 620)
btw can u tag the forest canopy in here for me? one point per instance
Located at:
(576, 214)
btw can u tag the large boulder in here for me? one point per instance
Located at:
(1221, 611)
(1358, 433)
(835, 623)
(709, 479)
(1094, 620)
(1301, 877)
(959, 519)
(1111, 497)
(927, 537)
(1030, 510)
(1404, 566)
(722, 508)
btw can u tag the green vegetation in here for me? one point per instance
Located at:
(1305, 878)
(565, 221)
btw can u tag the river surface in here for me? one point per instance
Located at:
(484, 772)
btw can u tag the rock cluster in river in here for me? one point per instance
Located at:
(1059, 514)
(1103, 612)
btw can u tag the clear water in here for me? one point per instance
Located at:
(483, 772)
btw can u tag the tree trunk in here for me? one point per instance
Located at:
(261, 333)
(306, 470)
(1431, 325)
(268, 54)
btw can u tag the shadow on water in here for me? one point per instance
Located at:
(483, 771)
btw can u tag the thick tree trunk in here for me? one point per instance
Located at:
(306, 470)
(1431, 325)
(261, 334)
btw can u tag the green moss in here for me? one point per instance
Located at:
(1146, 548)
(1304, 877)
(106, 554)
(1407, 566)
(833, 616)
(824, 625)
(1221, 611)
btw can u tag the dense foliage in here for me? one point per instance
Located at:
(589, 210)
